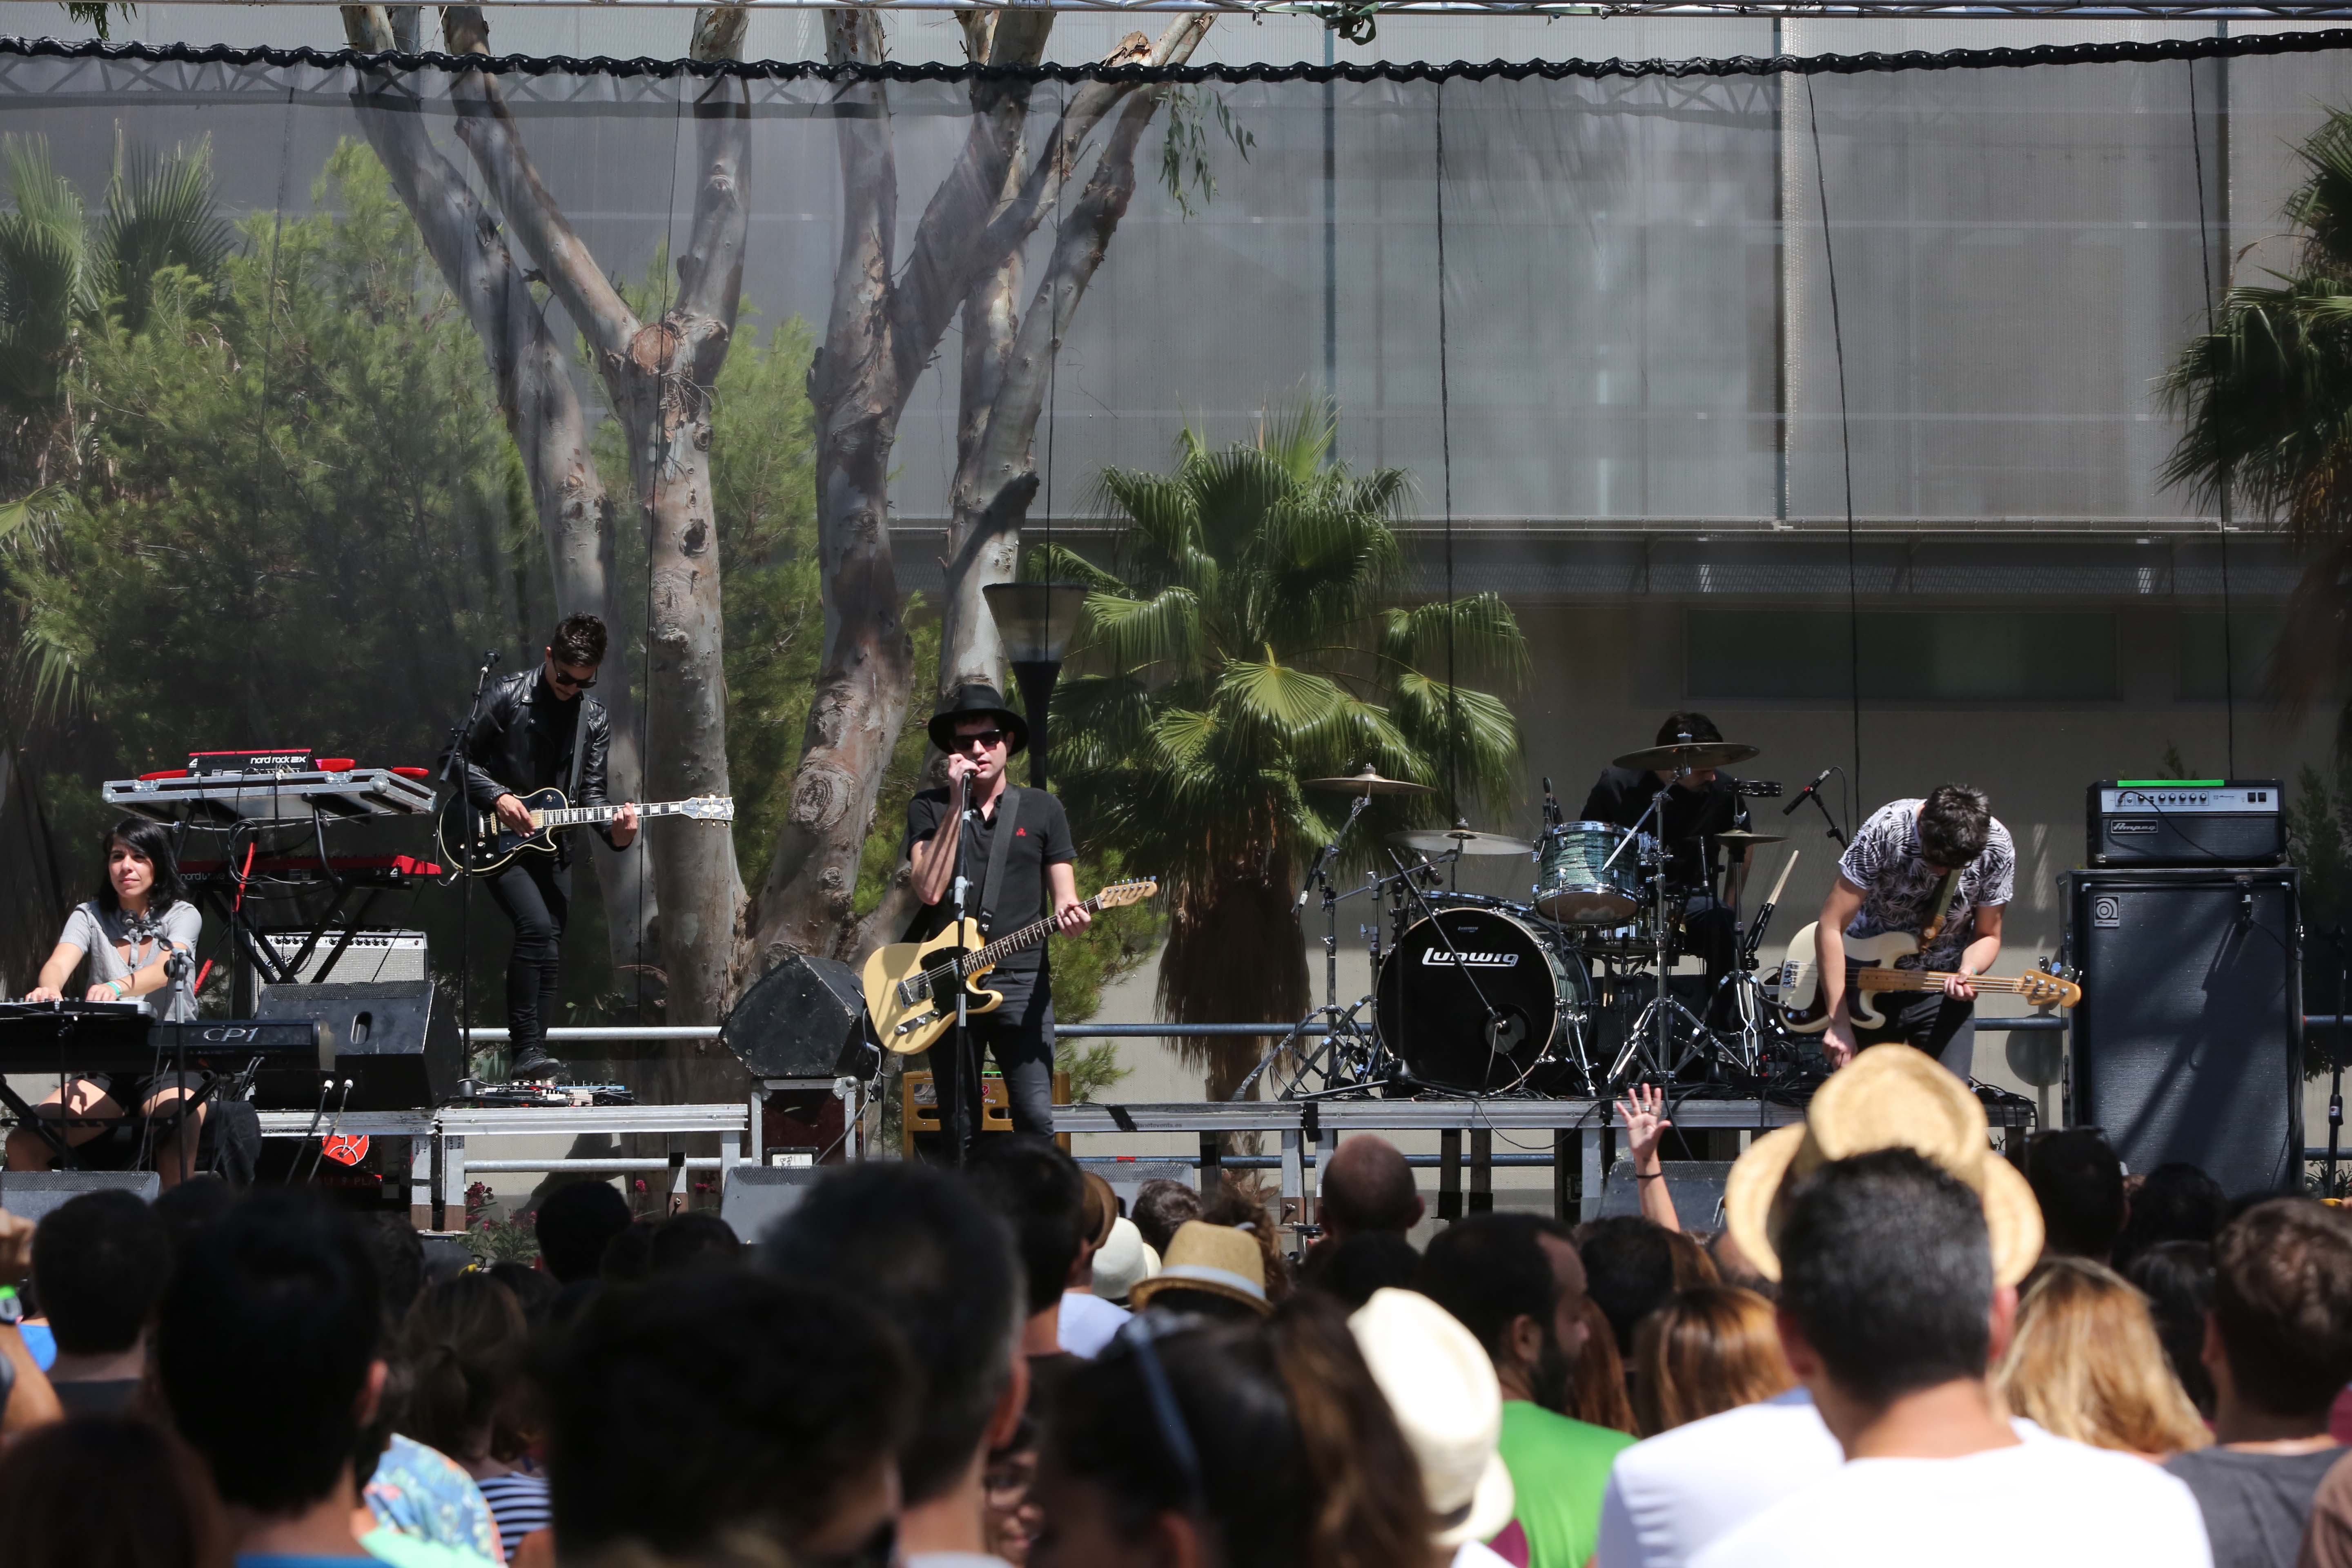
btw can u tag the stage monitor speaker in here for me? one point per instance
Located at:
(756, 1197)
(394, 1039)
(803, 1018)
(2188, 1042)
(30, 1194)
(1696, 1185)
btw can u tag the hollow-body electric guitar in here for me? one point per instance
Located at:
(495, 842)
(1801, 990)
(910, 985)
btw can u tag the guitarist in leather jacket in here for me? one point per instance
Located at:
(980, 736)
(523, 740)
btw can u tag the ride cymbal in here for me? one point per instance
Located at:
(1698, 756)
(1370, 782)
(1459, 841)
(1740, 838)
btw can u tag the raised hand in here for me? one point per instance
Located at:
(1643, 1112)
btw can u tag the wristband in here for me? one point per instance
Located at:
(1649, 1175)
(121, 990)
(11, 1306)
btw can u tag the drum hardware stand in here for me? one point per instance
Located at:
(1813, 792)
(1338, 1077)
(1663, 1007)
(1747, 991)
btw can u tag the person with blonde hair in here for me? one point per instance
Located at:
(2085, 1362)
(1709, 1349)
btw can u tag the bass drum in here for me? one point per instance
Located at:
(1431, 1017)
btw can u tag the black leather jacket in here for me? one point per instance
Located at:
(499, 757)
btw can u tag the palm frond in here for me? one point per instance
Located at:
(158, 214)
(1162, 631)
(1059, 563)
(1487, 644)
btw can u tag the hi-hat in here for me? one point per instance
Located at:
(1698, 756)
(1740, 838)
(1460, 841)
(1370, 782)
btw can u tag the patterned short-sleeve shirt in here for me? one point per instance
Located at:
(1897, 885)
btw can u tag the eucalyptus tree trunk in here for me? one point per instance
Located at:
(550, 429)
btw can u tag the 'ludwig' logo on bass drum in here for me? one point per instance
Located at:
(1490, 959)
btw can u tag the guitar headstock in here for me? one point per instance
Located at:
(1120, 894)
(709, 808)
(2043, 989)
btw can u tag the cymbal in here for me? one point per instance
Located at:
(1698, 756)
(1370, 782)
(1740, 838)
(1461, 841)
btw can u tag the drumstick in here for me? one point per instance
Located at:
(1786, 867)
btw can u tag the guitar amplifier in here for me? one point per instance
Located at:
(2185, 822)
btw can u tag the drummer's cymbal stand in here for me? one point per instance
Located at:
(1651, 1042)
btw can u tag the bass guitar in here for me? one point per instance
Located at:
(1801, 991)
(495, 842)
(910, 985)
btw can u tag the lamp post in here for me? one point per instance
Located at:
(1035, 620)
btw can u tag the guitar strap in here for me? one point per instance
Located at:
(1942, 908)
(579, 752)
(999, 851)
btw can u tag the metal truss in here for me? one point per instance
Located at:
(1795, 10)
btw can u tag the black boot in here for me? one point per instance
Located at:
(536, 1064)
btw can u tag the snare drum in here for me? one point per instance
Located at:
(1577, 883)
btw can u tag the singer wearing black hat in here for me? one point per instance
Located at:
(1007, 887)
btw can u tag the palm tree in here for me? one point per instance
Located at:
(1248, 636)
(2266, 394)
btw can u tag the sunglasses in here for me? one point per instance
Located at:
(562, 679)
(989, 740)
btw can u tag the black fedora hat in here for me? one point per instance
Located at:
(977, 701)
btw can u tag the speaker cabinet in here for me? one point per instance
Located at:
(803, 1018)
(31, 1194)
(756, 1197)
(2189, 1041)
(394, 1039)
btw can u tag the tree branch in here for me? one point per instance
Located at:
(711, 273)
(487, 127)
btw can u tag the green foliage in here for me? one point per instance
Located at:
(1250, 635)
(96, 14)
(1184, 145)
(1091, 1070)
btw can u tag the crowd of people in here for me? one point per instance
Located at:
(1895, 1347)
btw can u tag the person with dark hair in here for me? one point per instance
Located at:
(107, 1491)
(465, 1346)
(1629, 1268)
(1705, 1350)
(1899, 1273)
(1366, 1188)
(2079, 1182)
(131, 933)
(1163, 1206)
(194, 1204)
(1015, 850)
(1699, 804)
(100, 1265)
(2175, 1202)
(399, 1254)
(696, 1238)
(1088, 1317)
(1211, 1271)
(726, 1402)
(2278, 1344)
(537, 730)
(1229, 1446)
(534, 1290)
(2176, 1277)
(1515, 1282)
(1941, 868)
(1036, 1190)
(1351, 1269)
(922, 1252)
(282, 1282)
(574, 1224)
(1597, 1394)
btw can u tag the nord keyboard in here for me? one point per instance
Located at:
(330, 790)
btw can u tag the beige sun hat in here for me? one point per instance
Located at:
(1441, 1384)
(1888, 1096)
(1218, 1258)
(1124, 1261)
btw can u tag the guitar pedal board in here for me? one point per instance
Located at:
(2185, 822)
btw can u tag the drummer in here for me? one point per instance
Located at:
(1699, 804)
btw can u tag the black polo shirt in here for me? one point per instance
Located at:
(1622, 795)
(1041, 837)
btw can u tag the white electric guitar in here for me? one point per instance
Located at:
(1801, 991)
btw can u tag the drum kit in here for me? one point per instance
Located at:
(1564, 995)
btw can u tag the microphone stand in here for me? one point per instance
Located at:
(967, 1084)
(451, 766)
(2336, 1068)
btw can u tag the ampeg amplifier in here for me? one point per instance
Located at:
(2185, 822)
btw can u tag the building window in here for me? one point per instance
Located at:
(1946, 656)
(2251, 636)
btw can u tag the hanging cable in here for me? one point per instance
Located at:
(2205, 261)
(1845, 440)
(1446, 462)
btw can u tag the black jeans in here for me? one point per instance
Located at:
(1943, 1027)
(1020, 1034)
(536, 894)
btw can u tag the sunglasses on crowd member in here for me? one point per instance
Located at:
(989, 740)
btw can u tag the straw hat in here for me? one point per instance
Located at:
(1124, 1261)
(1101, 1208)
(1439, 1382)
(1889, 1096)
(1217, 1259)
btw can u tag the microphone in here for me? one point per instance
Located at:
(1803, 793)
(1551, 805)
